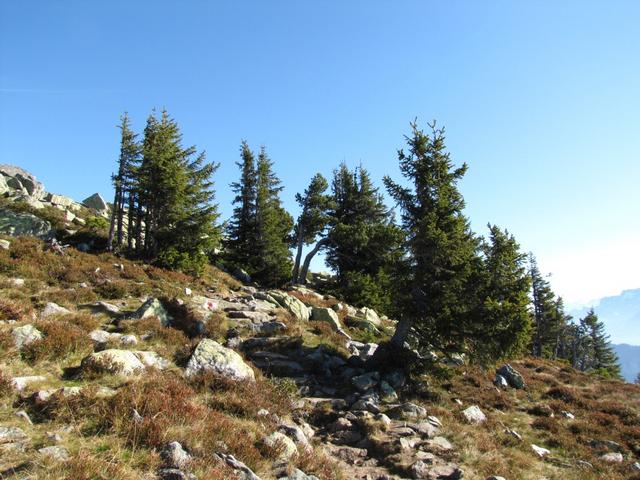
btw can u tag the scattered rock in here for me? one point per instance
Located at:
(540, 451)
(12, 435)
(51, 309)
(25, 335)
(292, 304)
(18, 224)
(55, 452)
(474, 415)
(366, 381)
(209, 355)
(328, 316)
(154, 308)
(174, 456)
(20, 383)
(612, 457)
(117, 362)
(408, 410)
(511, 375)
(282, 444)
(243, 471)
(108, 307)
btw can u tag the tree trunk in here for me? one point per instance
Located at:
(112, 224)
(120, 215)
(296, 266)
(308, 258)
(130, 220)
(402, 332)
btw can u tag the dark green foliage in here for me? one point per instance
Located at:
(503, 317)
(168, 197)
(440, 245)
(272, 258)
(241, 229)
(259, 232)
(594, 351)
(313, 219)
(549, 318)
(363, 244)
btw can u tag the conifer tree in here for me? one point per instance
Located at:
(503, 320)
(441, 248)
(241, 239)
(123, 182)
(313, 220)
(548, 315)
(271, 263)
(174, 195)
(363, 243)
(597, 353)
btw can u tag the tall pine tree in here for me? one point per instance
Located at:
(440, 245)
(503, 319)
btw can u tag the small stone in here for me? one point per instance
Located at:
(128, 340)
(474, 415)
(55, 452)
(540, 451)
(366, 381)
(5, 244)
(52, 309)
(612, 457)
(174, 456)
(25, 416)
(636, 466)
(20, 383)
(568, 415)
(12, 435)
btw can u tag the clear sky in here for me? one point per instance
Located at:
(541, 99)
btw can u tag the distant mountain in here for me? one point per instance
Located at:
(629, 356)
(620, 314)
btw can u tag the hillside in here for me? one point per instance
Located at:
(288, 392)
(113, 369)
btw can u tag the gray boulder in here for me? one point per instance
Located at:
(327, 315)
(209, 355)
(154, 308)
(292, 304)
(52, 309)
(16, 224)
(122, 362)
(474, 415)
(174, 456)
(279, 441)
(25, 335)
(95, 202)
(26, 180)
(12, 435)
(511, 375)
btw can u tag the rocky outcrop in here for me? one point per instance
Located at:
(19, 179)
(96, 202)
(292, 304)
(154, 308)
(210, 356)
(511, 375)
(25, 335)
(17, 224)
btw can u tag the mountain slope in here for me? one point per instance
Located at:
(629, 356)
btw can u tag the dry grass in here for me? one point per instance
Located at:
(61, 339)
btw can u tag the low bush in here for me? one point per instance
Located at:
(61, 339)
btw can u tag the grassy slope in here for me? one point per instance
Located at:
(209, 415)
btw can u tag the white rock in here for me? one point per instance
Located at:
(613, 457)
(52, 309)
(541, 452)
(473, 414)
(285, 444)
(25, 335)
(209, 355)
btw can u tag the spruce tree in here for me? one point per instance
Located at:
(174, 194)
(597, 353)
(313, 220)
(548, 315)
(363, 243)
(123, 182)
(241, 230)
(441, 248)
(271, 263)
(503, 320)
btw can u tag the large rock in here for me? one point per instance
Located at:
(154, 308)
(284, 445)
(26, 180)
(25, 335)
(12, 435)
(95, 202)
(328, 316)
(122, 362)
(511, 375)
(16, 224)
(295, 306)
(174, 456)
(210, 356)
(61, 200)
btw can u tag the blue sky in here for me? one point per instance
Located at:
(541, 99)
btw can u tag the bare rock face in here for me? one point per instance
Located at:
(474, 415)
(17, 224)
(95, 202)
(23, 179)
(25, 335)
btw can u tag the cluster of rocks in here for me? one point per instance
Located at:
(18, 185)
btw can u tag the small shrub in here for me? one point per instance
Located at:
(113, 290)
(14, 310)
(61, 339)
(6, 388)
(546, 423)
